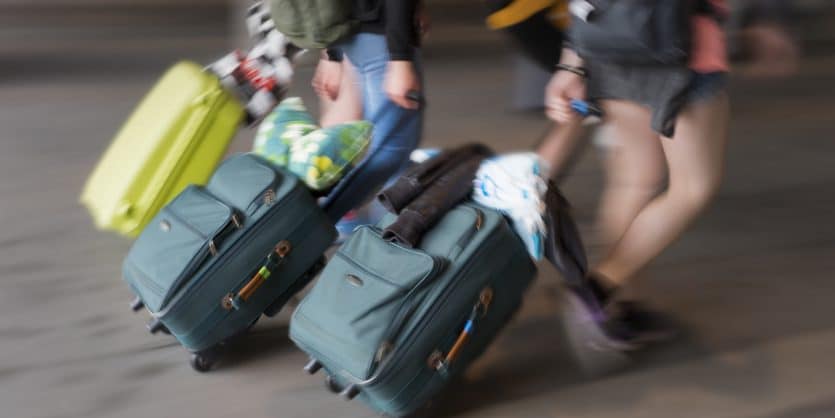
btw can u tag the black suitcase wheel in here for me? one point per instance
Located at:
(332, 386)
(350, 392)
(155, 326)
(136, 304)
(202, 362)
(313, 366)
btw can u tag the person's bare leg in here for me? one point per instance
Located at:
(635, 168)
(348, 105)
(695, 158)
(560, 146)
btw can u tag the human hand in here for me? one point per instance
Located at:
(564, 87)
(401, 83)
(327, 79)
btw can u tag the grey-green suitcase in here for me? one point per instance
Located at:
(393, 325)
(217, 257)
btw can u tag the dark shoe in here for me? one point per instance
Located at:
(640, 324)
(625, 325)
(595, 325)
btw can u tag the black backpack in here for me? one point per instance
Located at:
(636, 32)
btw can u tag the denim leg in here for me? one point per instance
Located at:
(396, 134)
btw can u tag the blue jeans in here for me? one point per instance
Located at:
(397, 131)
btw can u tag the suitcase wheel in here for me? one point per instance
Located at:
(350, 392)
(136, 304)
(332, 386)
(202, 362)
(155, 326)
(313, 366)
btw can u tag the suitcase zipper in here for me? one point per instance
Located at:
(387, 366)
(405, 309)
(265, 197)
(220, 313)
(209, 248)
(239, 243)
(229, 253)
(387, 345)
(442, 362)
(172, 178)
(462, 242)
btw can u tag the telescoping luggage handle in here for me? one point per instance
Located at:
(274, 260)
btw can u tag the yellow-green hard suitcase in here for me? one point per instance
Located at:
(175, 137)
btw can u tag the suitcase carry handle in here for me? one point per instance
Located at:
(274, 260)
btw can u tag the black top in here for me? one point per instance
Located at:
(394, 18)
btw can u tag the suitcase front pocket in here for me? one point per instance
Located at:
(247, 182)
(177, 242)
(365, 292)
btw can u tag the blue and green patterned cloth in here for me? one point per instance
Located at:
(289, 137)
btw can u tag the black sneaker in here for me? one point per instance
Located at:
(594, 326)
(620, 325)
(637, 323)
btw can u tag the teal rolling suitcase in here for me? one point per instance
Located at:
(392, 325)
(217, 257)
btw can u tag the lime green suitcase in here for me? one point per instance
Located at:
(175, 137)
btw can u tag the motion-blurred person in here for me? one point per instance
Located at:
(385, 58)
(761, 38)
(670, 115)
(536, 26)
(347, 105)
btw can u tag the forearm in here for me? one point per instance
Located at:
(570, 57)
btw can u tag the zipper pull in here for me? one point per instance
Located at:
(269, 197)
(383, 351)
(479, 220)
(441, 363)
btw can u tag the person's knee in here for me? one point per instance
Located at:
(637, 177)
(695, 195)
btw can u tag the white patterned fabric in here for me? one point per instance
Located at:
(515, 184)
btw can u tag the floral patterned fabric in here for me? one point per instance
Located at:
(289, 137)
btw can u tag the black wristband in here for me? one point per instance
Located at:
(334, 55)
(582, 72)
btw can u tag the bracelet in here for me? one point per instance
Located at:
(334, 55)
(582, 72)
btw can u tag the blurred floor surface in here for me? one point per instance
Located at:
(752, 283)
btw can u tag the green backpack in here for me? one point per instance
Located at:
(313, 24)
